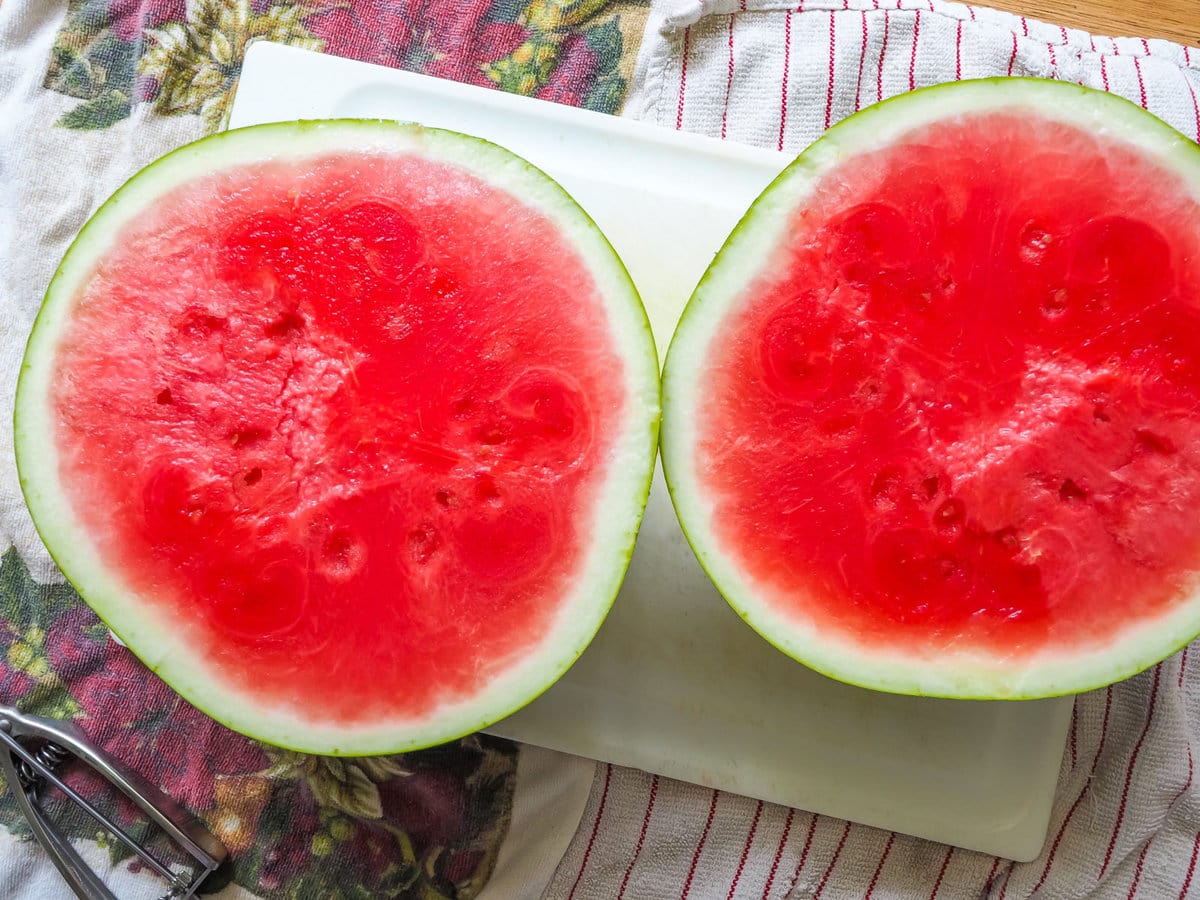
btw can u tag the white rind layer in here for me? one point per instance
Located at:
(162, 642)
(966, 673)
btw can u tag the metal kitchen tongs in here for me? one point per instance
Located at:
(32, 752)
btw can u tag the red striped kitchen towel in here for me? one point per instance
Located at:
(1126, 820)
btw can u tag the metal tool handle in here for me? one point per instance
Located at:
(60, 740)
(79, 875)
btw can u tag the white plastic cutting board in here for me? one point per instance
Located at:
(676, 683)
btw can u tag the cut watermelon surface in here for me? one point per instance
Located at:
(932, 418)
(345, 428)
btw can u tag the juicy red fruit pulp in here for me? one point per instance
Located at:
(964, 408)
(344, 420)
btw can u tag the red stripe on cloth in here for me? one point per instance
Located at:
(687, 39)
(833, 862)
(1058, 839)
(912, 62)
(1116, 49)
(1103, 726)
(1092, 41)
(587, 851)
(971, 12)
(942, 873)
(1082, 793)
(1196, 110)
(882, 56)
(1024, 27)
(637, 850)
(1183, 790)
(1137, 871)
(1187, 784)
(1187, 56)
(787, 827)
(958, 52)
(1071, 739)
(741, 866)
(1183, 655)
(1104, 72)
(832, 52)
(743, 5)
(712, 809)
(1053, 59)
(1146, 46)
(1137, 748)
(887, 848)
(1137, 67)
(728, 82)
(991, 873)
(1065, 38)
(862, 58)
(1004, 884)
(1012, 59)
(787, 64)
(812, 829)
(1187, 879)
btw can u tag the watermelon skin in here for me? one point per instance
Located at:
(938, 567)
(265, 591)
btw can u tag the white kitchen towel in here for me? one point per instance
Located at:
(1126, 819)
(777, 75)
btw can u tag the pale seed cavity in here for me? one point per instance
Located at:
(1055, 303)
(342, 555)
(200, 324)
(245, 437)
(423, 543)
(1008, 540)
(492, 433)
(950, 515)
(885, 489)
(286, 327)
(1035, 243)
(1069, 491)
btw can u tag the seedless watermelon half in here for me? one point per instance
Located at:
(345, 428)
(932, 417)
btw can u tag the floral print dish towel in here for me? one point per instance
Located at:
(183, 58)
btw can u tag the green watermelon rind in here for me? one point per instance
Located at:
(747, 250)
(164, 648)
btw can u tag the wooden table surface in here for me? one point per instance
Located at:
(1175, 20)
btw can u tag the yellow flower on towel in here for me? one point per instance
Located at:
(196, 63)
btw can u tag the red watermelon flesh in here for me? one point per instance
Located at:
(328, 426)
(962, 409)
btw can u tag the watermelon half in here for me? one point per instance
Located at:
(932, 417)
(345, 428)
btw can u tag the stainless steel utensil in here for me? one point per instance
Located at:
(32, 753)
